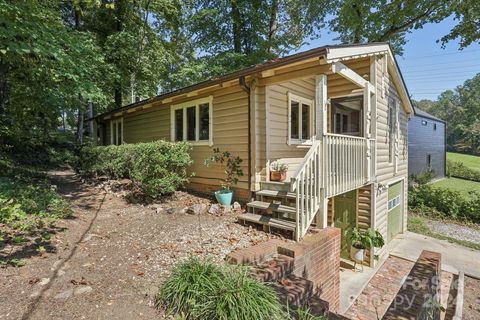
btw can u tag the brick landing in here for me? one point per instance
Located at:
(375, 299)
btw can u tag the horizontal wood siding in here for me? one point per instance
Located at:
(385, 169)
(364, 213)
(260, 143)
(230, 132)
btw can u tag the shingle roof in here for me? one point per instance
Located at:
(419, 112)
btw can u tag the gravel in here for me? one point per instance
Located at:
(454, 230)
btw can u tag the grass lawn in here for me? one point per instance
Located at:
(473, 162)
(464, 186)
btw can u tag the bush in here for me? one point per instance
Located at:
(20, 199)
(424, 177)
(445, 203)
(202, 290)
(459, 170)
(159, 167)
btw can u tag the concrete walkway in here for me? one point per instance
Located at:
(454, 257)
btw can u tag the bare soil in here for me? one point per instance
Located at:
(109, 260)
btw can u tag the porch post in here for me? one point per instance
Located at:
(320, 131)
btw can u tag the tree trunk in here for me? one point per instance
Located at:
(80, 127)
(272, 24)
(90, 120)
(237, 27)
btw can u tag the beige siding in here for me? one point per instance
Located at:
(385, 169)
(337, 86)
(364, 213)
(260, 135)
(230, 123)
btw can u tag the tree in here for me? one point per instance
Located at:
(363, 21)
(467, 13)
(232, 34)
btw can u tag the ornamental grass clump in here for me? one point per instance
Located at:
(201, 290)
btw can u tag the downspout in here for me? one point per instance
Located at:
(246, 88)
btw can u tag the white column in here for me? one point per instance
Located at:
(320, 130)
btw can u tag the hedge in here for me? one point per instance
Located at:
(445, 203)
(159, 167)
(459, 170)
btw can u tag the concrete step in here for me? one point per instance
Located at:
(270, 207)
(268, 221)
(275, 186)
(276, 194)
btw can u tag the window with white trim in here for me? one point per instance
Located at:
(116, 131)
(192, 121)
(300, 126)
(392, 203)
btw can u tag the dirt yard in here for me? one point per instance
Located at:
(471, 302)
(111, 257)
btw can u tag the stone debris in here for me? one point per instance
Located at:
(176, 211)
(65, 294)
(82, 290)
(199, 208)
(237, 206)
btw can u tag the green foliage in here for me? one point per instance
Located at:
(233, 166)
(471, 161)
(367, 239)
(459, 170)
(159, 167)
(14, 262)
(424, 177)
(202, 290)
(279, 167)
(461, 108)
(445, 203)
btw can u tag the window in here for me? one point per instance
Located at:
(392, 128)
(347, 115)
(192, 121)
(429, 160)
(424, 123)
(116, 131)
(393, 203)
(299, 119)
(434, 127)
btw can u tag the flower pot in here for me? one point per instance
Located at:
(357, 254)
(224, 197)
(278, 176)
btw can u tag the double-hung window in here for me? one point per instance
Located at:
(192, 121)
(116, 131)
(300, 111)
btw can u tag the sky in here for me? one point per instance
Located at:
(428, 69)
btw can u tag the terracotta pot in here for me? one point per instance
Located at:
(278, 176)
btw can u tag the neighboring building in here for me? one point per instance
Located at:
(426, 144)
(336, 114)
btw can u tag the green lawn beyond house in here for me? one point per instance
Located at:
(464, 186)
(472, 162)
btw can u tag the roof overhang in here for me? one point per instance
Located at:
(340, 53)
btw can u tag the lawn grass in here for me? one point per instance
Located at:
(417, 224)
(472, 162)
(455, 184)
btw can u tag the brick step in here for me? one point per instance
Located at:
(274, 269)
(268, 221)
(276, 194)
(295, 290)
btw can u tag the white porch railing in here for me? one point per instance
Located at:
(337, 164)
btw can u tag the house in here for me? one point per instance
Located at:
(426, 144)
(337, 115)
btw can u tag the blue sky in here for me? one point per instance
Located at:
(427, 68)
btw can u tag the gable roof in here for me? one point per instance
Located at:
(331, 53)
(420, 113)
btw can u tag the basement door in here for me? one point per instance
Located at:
(345, 218)
(395, 199)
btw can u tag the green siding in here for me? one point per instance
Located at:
(394, 225)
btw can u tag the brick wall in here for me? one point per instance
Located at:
(316, 258)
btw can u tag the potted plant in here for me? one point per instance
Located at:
(233, 171)
(278, 171)
(362, 241)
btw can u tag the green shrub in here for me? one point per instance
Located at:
(22, 198)
(202, 290)
(159, 167)
(445, 203)
(459, 170)
(424, 177)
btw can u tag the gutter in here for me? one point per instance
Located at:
(247, 90)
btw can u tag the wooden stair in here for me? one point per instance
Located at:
(274, 207)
